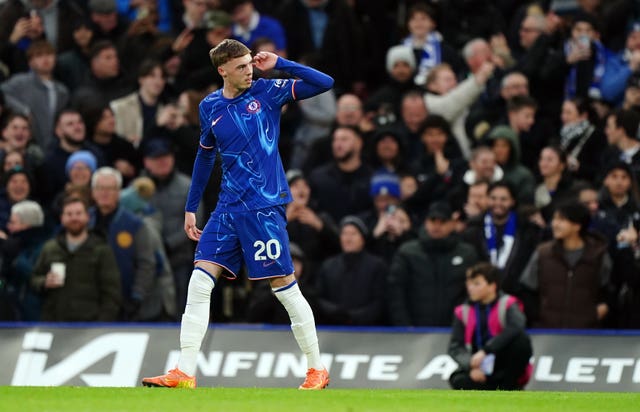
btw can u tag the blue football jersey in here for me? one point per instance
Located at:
(245, 131)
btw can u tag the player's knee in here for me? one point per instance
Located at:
(201, 283)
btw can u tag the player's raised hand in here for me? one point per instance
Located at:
(190, 228)
(265, 60)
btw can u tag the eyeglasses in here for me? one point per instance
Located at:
(105, 188)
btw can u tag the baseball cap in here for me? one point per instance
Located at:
(102, 6)
(620, 165)
(439, 210)
(156, 148)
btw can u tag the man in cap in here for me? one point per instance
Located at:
(427, 275)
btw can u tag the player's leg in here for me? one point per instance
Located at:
(217, 250)
(266, 253)
(304, 329)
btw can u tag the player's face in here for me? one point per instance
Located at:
(238, 72)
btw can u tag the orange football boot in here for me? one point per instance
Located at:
(316, 380)
(175, 378)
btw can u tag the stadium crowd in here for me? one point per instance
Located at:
(458, 131)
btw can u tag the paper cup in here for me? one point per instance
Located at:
(59, 269)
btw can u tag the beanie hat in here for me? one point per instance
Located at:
(357, 223)
(83, 156)
(385, 184)
(400, 53)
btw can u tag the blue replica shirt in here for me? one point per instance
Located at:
(245, 131)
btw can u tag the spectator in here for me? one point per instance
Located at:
(117, 151)
(39, 91)
(19, 29)
(426, 278)
(429, 47)
(341, 187)
(107, 23)
(477, 201)
(330, 30)
(79, 168)
(20, 248)
(556, 186)
(507, 149)
(620, 67)
(16, 136)
(586, 58)
(622, 131)
(503, 237)
(488, 340)
(413, 113)
(89, 290)
(106, 81)
(249, 25)
(619, 199)
(632, 93)
(567, 279)
(350, 285)
(315, 232)
(452, 100)
(18, 186)
(401, 67)
(169, 199)
(70, 132)
(135, 113)
(580, 139)
(388, 222)
(192, 18)
(131, 241)
(387, 152)
(72, 66)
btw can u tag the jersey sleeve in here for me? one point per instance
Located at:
(207, 139)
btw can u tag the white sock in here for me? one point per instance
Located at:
(302, 322)
(195, 320)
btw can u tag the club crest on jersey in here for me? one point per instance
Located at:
(253, 106)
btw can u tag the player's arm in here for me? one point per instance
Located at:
(311, 81)
(202, 168)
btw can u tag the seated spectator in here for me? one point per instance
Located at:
(72, 66)
(488, 339)
(507, 149)
(315, 232)
(39, 91)
(427, 274)
(566, 282)
(621, 130)
(20, 248)
(341, 186)
(18, 186)
(117, 151)
(452, 100)
(429, 47)
(350, 285)
(135, 113)
(502, 236)
(401, 67)
(89, 288)
(580, 139)
(619, 199)
(131, 240)
(556, 185)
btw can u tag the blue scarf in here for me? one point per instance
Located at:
(595, 88)
(430, 55)
(497, 256)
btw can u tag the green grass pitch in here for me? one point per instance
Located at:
(72, 399)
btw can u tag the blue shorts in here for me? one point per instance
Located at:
(259, 237)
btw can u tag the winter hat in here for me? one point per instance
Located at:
(357, 222)
(83, 156)
(400, 53)
(385, 184)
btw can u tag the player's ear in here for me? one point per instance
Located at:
(222, 72)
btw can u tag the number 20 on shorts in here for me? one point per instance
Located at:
(270, 249)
